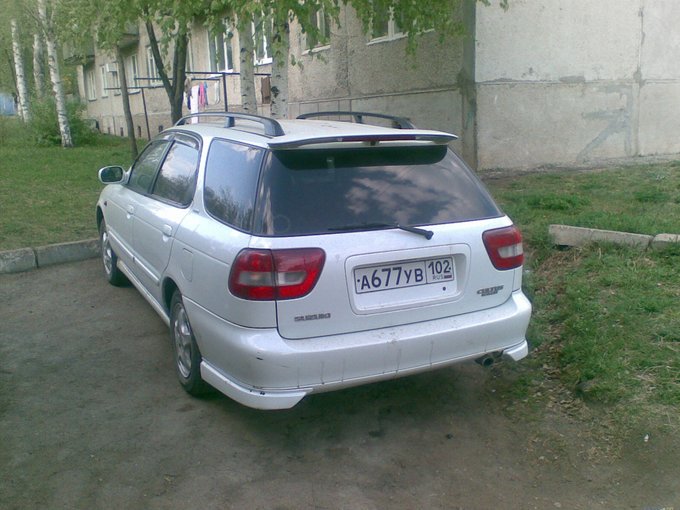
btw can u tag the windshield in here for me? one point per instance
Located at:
(314, 191)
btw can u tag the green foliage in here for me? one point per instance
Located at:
(605, 317)
(24, 12)
(414, 18)
(47, 194)
(44, 127)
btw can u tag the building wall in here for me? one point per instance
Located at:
(543, 83)
(355, 73)
(107, 107)
(576, 82)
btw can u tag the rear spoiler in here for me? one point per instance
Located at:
(434, 137)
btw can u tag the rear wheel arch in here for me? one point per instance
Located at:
(187, 354)
(169, 288)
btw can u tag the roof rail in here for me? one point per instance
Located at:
(271, 126)
(400, 122)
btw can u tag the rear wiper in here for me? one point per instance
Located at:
(427, 234)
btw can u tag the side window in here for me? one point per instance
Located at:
(146, 165)
(231, 177)
(176, 180)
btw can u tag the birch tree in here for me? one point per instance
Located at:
(38, 74)
(280, 61)
(22, 89)
(55, 76)
(280, 13)
(247, 69)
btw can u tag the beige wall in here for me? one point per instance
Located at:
(354, 73)
(576, 82)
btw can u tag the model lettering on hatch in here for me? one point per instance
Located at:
(313, 317)
(490, 291)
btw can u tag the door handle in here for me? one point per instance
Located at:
(167, 230)
(130, 209)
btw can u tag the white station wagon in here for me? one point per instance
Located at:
(299, 256)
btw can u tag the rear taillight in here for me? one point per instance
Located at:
(265, 275)
(504, 246)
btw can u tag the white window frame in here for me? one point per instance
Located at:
(221, 43)
(90, 85)
(104, 81)
(115, 79)
(132, 72)
(151, 69)
(321, 20)
(393, 31)
(264, 39)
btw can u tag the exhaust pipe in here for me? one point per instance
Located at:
(488, 359)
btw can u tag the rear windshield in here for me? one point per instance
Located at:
(315, 191)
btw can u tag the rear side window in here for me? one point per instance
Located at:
(176, 180)
(314, 191)
(231, 176)
(145, 167)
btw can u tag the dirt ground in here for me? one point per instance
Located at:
(91, 416)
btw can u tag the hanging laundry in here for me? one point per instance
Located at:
(187, 92)
(217, 89)
(194, 102)
(205, 92)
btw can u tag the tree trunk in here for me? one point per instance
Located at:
(179, 74)
(173, 88)
(247, 68)
(125, 96)
(281, 47)
(22, 90)
(55, 77)
(38, 75)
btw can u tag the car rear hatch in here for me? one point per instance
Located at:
(401, 228)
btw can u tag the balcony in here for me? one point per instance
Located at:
(83, 55)
(130, 36)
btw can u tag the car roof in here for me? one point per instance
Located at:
(290, 134)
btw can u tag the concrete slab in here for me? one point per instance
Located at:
(16, 261)
(663, 241)
(67, 252)
(565, 235)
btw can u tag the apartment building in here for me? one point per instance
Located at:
(541, 83)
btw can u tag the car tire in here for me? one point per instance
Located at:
(187, 355)
(109, 259)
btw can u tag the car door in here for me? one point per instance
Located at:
(158, 213)
(122, 200)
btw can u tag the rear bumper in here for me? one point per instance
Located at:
(260, 369)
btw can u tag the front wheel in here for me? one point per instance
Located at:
(187, 355)
(109, 259)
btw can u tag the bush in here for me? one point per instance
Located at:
(44, 126)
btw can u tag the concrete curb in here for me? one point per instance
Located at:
(564, 235)
(26, 259)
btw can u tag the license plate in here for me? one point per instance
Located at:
(403, 274)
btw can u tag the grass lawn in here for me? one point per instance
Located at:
(606, 318)
(48, 194)
(606, 323)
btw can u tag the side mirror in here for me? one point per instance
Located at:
(111, 174)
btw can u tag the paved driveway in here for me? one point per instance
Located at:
(91, 417)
